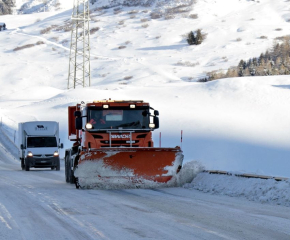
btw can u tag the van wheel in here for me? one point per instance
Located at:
(22, 164)
(52, 168)
(57, 168)
(27, 168)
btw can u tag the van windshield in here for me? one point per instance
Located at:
(37, 142)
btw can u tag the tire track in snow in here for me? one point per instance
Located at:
(3, 212)
(10, 223)
(48, 206)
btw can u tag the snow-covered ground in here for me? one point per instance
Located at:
(238, 124)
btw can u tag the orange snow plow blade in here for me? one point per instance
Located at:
(128, 167)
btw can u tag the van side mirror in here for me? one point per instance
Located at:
(61, 145)
(22, 147)
(156, 112)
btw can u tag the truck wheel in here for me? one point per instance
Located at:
(22, 164)
(69, 172)
(66, 167)
(77, 183)
(72, 177)
(52, 168)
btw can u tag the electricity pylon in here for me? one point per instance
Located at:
(79, 60)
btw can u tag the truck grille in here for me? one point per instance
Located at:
(40, 156)
(125, 142)
(128, 145)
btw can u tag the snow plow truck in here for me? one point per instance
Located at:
(113, 146)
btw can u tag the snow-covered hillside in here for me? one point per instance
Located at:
(160, 6)
(233, 124)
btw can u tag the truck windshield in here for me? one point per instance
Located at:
(37, 142)
(119, 119)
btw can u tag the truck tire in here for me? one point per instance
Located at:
(69, 174)
(66, 167)
(72, 177)
(77, 183)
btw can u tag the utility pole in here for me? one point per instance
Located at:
(79, 61)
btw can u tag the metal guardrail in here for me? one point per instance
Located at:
(246, 175)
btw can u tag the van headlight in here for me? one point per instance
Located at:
(29, 154)
(55, 154)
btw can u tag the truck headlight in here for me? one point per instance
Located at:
(89, 126)
(151, 125)
(55, 154)
(29, 154)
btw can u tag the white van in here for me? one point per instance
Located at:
(39, 145)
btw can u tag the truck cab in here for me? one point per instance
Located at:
(109, 123)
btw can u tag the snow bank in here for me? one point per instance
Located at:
(259, 190)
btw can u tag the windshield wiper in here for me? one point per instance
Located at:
(129, 124)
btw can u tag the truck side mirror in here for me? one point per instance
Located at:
(21, 147)
(156, 122)
(156, 112)
(77, 114)
(79, 123)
